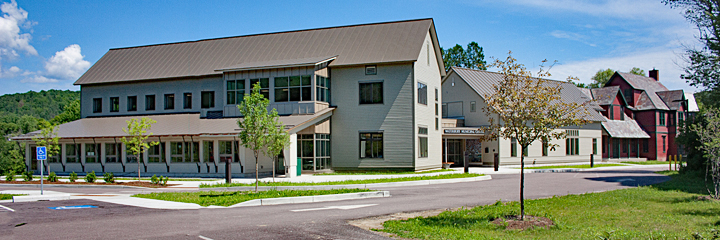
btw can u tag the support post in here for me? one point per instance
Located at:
(592, 161)
(228, 176)
(466, 163)
(496, 161)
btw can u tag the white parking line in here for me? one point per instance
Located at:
(204, 238)
(9, 209)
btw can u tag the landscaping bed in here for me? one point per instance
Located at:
(677, 209)
(135, 184)
(345, 182)
(207, 198)
(5, 196)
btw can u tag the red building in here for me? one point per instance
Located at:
(643, 116)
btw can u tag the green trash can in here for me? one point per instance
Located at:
(299, 166)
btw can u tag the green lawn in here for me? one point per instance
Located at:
(5, 196)
(148, 178)
(381, 172)
(345, 182)
(577, 166)
(207, 198)
(649, 162)
(668, 210)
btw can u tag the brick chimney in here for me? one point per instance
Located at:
(654, 74)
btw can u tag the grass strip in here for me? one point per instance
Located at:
(577, 166)
(649, 162)
(345, 182)
(5, 196)
(207, 198)
(669, 210)
(381, 172)
(148, 179)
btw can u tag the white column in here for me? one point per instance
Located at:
(216, 151)
(122, 154)
(167, 151)
(201, 151)
(102, 153)
(63, 156)
(291, 156)
(82, 153)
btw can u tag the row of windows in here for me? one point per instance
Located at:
(207, 100)
(286, 89)
(572, 146)
(179, 152)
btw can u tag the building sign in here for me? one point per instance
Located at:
(463, 131)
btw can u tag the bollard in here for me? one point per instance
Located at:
(592, 161)
(228, 175)
(670, 164)
(496, 161)
(467, 165)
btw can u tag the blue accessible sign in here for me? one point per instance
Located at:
(41, 153)
(72, 207)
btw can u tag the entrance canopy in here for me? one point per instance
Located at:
(462, 132)
(170, 125)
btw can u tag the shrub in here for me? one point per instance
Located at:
(10, 175)
(109, 177)
(28, 176)
(164, 180)
(90, 177)
(154, 179)
(52, 177)
(73, 177)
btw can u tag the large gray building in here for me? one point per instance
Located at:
(352, 97)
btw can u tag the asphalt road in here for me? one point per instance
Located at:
(35, 220)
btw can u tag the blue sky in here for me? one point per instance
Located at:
(49, 44)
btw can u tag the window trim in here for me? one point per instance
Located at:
(149, 107)
(382, 92)
(422, 97)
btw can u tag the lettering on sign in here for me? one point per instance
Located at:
(463, 131)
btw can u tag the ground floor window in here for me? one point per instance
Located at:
(322, 151)
(371, 145)
(112, 152)
(305, 151)
(572, 146)
(544, 148)
(513, 147)
(72, 153)
(227, 151)
(130, 157)
(55, 158)
(594, 146)
(156, 154)
(185, 151)
(208, 151)
(92, 152)
(453, 150)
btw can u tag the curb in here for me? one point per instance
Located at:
(70, 186)
(561, 170)
(369, 185)
(309, 199)
(33, 198)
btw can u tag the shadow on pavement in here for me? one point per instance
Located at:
(633, 181)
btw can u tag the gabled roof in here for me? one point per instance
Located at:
(482, 83)
(650, 87)
(386, 42)
(606, 95)
(673, 99)
(624, 129)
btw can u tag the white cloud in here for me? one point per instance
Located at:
(572, 36)
(39, 79)
(666, 61)
(11, 38)
(647, 10)
(67, 64)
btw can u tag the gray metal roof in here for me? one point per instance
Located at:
(624, 129)
(483, 81)
(358, 44)
(282, 63)
(673, 99)
(167, 125)
(606, 95)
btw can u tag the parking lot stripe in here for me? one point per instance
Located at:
(9, 209)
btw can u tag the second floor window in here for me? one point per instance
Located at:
(323, 88)
(293, 89)
(97, 105)
(169, 101)
(187, 100)
(114, 104)
(371, 93)
(264, 86)
(422, 93)
(149, 102)
(662, 118)
(235, 91)
(132, 103)
(207, 99)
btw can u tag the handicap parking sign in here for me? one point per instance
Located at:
(41, 153)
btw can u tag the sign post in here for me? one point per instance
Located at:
(41, 153)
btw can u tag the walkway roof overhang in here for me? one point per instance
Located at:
(171, 125)
(624, 129)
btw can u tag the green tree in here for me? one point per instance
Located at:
(136, 141)
(601, 77)
(528, 109)
(70, 113)
(703, 64)
(709, 135)
(258, 127)
(279, 139)
(470, 57)
(48, 138)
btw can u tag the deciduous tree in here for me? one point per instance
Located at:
(528, 109)
(48, 138)
(470, 57)
(136, 141)
(258, 127)
(709, 135)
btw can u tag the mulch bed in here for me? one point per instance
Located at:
(135, 184)
(514, 222)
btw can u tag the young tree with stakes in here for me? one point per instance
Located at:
(258, 127)
(136, 142)
(48, 138)
(528, 109)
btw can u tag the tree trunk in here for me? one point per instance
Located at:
(138, 161)
(256, 173)
(522, 184)
(273, 168)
